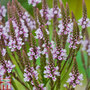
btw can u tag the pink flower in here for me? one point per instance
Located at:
(3, 52)
(29, 73)
(34, 2)
(2, 12)
(74, 79)
(35, 54)
(51, 72)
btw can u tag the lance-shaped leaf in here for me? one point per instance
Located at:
(17, 78)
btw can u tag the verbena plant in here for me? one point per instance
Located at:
(40, 51)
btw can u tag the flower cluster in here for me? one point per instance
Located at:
(2, 70)
(24, 29)
(39, 33)
(34, 2)
(8, 67)
(88, 50)
(12, 44)
(29, 73)
(12, 41)
(57, 54)
(4, 34)
(86, 46)
(73, 42)
(34, 54)
(41, 87)
(84, 23)
(15, 40)
(51, 72)
(3, 52)
(31, 23)
(67, 31)
(75, 79)
(18, 33)
(44, 52)
(52, 47)
(2, 12)
(74, 37)
(49, 14)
